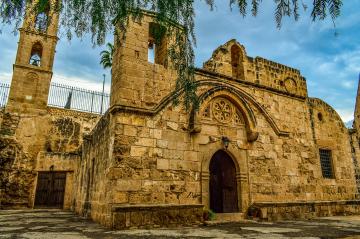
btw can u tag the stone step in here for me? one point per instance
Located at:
(226, 217)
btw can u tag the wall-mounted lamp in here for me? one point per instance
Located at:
(225, 140)
(51, 168)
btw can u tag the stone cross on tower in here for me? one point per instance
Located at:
(32, 70)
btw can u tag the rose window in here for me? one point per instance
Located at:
(222, 110)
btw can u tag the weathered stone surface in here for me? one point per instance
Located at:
(254, 117)
(16, 174)
(141, 216)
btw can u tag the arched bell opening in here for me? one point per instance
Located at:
(223, 184)
(42, 19)
(237, 62)
(36, 54)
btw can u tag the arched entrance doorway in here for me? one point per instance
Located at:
(223, 186)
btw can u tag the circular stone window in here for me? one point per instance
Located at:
(320, 116)
(222, 110)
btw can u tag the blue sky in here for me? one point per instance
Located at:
(331, 64)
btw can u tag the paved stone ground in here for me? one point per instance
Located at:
(55, 224)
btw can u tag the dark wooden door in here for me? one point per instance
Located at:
(223, 186)
(50, 189)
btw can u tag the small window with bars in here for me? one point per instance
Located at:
(326, 163)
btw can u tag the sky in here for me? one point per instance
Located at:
(330, 62)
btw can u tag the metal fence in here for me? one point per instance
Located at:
(4, 93)
(69, 97)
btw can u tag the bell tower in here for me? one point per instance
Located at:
(32, 71)
(142, 73)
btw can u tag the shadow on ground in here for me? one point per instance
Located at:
(55, 224)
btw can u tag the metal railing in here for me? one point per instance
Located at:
(4, 94)
(74, 98)
(68, 97)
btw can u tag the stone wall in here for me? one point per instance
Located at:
(355, 151)
(93, 187)
(162, 156)
(35, 142)
(154, 153)
(330, 133)
(146, 162)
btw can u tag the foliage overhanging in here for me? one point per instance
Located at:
(97, 17)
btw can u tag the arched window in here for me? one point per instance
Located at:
(237, 62)
(36, 53)
(157, 45)
(41, 21)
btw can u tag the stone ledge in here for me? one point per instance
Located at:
(299, 203)
(142, 207)
(274, 211)
(161, 215)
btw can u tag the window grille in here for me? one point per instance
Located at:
(326, 163)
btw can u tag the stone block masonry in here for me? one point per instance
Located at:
(303, 210)
(150, 216)
(257, 144)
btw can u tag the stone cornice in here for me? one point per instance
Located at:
(32, 68)
(38, 33)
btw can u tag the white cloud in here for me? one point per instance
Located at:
(5, 77)
(348, 84)
(81, 83)
(346, 114)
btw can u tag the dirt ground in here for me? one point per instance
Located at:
(55, 224)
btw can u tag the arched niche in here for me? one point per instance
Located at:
(237, 62)
(36, 54)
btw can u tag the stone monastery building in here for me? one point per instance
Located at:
(258, 146)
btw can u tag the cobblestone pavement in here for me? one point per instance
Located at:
(55, 224)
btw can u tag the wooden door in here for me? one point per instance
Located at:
(223, 186)
(50, 189)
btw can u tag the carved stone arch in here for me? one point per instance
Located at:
(205, 164)
(240, 104)
(242, 96)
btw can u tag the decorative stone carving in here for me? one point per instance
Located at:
(290, 85)
(222, 110)
(206, 112)
(238, 118)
